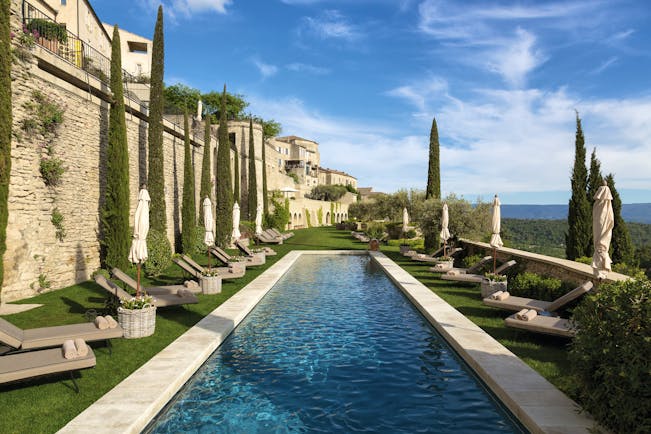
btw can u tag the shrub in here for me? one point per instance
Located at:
(57, 222)
(610, 355)
(375, 230)
(51, 171)
(329, 193)
(48, 29)
(159, 253)
(584, 260)
(279, 217)
(630, 270)
(471, 260)
(535, 286)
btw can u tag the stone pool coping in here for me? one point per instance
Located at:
(133, 403)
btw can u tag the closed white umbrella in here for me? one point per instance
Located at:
(209, 226)
(603, 221)
(496, 240)
(236, 222)
(258, 220)
(445, 232)
(138, 251)
(405, 219)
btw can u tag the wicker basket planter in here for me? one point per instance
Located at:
(211, 284)
(137, 323)
(490, 286)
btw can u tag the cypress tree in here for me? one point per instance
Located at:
(253, 180)
(265, 192)
(115, 211)
(5, 126)
(188, 208)
(224, 193)
(595, 180)
(156, 180)
(433, 190)
(206, 186)
(621, 247)
(236, 175)
(434, 171)
(579, 219)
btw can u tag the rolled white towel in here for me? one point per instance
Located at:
(453, 273)
(496, 295)
(111, 322)
(528, 315)
(82, 348)
(69, 349)
(503, 295)
(101, 323)
(520, 315)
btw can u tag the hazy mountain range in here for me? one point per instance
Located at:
(632, 212)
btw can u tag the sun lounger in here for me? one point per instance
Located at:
(160, 300)
(518, 303)
(475, 278)
(471, 270)
(43, 337)
(264, 237)
(543, 324)
(277, 233)
(430, 258)
(248, 260)
(31, 364)
(194, 269)
(244, 249)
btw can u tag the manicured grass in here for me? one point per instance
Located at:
(45, 405)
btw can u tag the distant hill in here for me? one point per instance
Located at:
(632, 212)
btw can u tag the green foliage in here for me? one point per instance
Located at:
(57, 221)
(48, 29)
(155, 157)
(434, 169)
(546, 237)
(595, 180)
(532, 285)
(294, 176)
(319, 216)
(206, 184)
(188, 207)
(237, 195)
(224, 192)
(279, 218)
(471, 260)
(271, 128)
(5, 127)
(159, 253)
(386, 206)
(579, 218)
(621, 248)
(114, 215)
(329, 193)
(252, 191)
(233, 107)
(43, 282)
(584, 260)
(180, 98)
(376, 230)
(265, 192)
(51, 170)
(610, 355)
(629, 270)
(46, 115)
(332, 214)
(308, 217)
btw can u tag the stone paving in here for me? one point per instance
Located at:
(131, 405)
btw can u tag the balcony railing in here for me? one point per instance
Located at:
(56, 38)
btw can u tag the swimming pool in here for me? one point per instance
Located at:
(334, 347)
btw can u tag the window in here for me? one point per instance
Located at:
(63, 2)
(137, 47)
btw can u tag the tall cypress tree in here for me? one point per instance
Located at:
(595, 179)
(5, 126)
(156, 176)
(188, 207)
(433, 190)
(621, 247)
(115, 210)
(236, 175)
(224, 192)
(434, 170)
(577, 239)
(265, 192)
(206, 186)
(253, 180)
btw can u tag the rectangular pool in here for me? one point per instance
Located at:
(334, 347)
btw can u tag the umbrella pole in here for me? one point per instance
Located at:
(494, 259)
(208, 260)
(138, 284)
(445, 244)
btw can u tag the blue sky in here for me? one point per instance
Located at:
(364, 78)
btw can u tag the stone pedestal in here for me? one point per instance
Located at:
(211, 284)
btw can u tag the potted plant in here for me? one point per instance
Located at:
(493, 283)
(211, 282)
(137, 316)
(50, 33)
(443, 263)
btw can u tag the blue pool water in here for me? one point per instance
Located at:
(334, 347)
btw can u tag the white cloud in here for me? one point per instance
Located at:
(331, 24)
(516, 58)
(605, 65)
(307, 68)
(418, 94)
(266, 69)
(186, 8)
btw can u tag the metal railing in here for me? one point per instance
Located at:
(56, 38)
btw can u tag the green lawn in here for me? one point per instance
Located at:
(45, 405)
